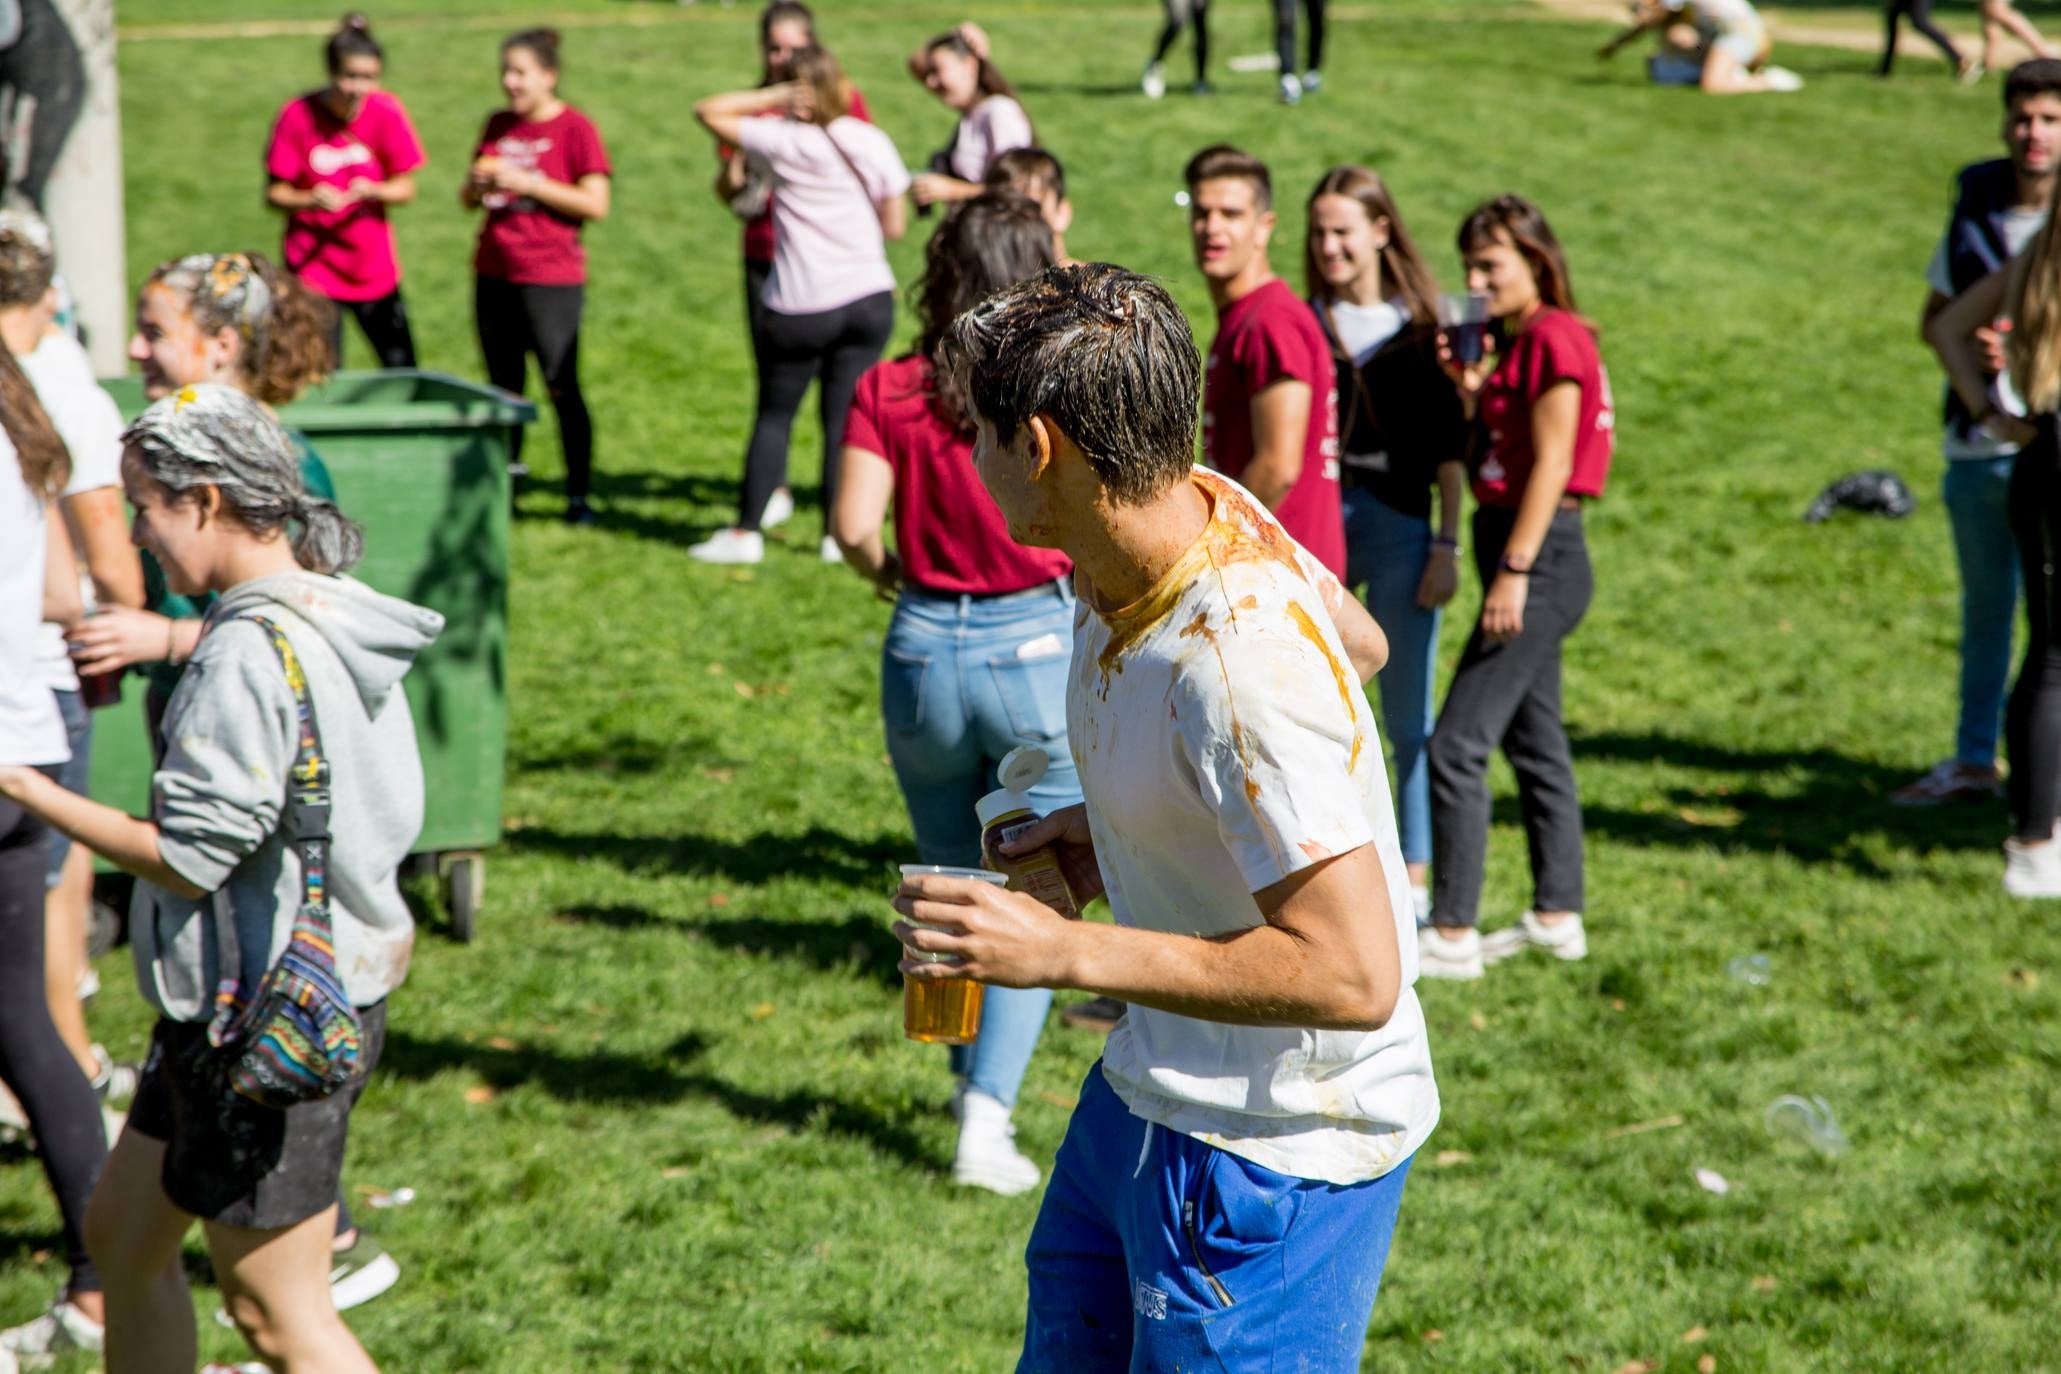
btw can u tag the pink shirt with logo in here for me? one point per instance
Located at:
(523, 240)
(347, 254)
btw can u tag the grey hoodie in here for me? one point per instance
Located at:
(231, 732)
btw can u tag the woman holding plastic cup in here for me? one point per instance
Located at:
(1542, 405)
(1402, 437)
(977, 654)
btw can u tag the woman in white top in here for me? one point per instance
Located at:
(38, 582)
(954, 67)
(838, 187)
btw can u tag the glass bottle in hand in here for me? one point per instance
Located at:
(1006, 813)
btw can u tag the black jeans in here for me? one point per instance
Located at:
(1508, 694)
(834, 348)
(1179, 14)
(2032, 720)
(385, 323)
(55, 1097)
(1920, 14)
(1284, 34)
(516, 321)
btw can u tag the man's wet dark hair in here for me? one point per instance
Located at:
(2040, 76)
(1102, 352)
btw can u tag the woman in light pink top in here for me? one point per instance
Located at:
(954, 67)
(838, 195)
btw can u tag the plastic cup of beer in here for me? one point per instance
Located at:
(1465, 317)
(942, 1011)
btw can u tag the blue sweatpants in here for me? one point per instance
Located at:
(1155, 1253)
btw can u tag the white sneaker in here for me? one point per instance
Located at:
(63, 1327)
(829, 552)
(1420, 905)
(1312, 82)
(731, 546)
(1439, 957)
(89, 984)
(779, 509)
(1153, 83)
(1291, 89)
(1782, 79)
(987, 1156)
(1564, 939)
(2032, 870)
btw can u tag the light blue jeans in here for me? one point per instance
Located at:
(964, 680)
(1977, 493)
(1387, 550)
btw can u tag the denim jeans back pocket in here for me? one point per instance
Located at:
(1031, 680)
(902, 678)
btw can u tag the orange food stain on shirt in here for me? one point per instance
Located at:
(1309, 630)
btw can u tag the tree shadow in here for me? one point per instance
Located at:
(604, 1076)
(1814, 805)
(859, 943)
(817, 854)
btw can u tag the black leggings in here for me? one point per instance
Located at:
(55, 1097)
(833, 347)
(44, 64)
(1178, 15)
(516, 321)
(2032, 720)
(1920, 15)
(1284, 34)
(385, 323)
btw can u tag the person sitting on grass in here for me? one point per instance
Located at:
(1273, 1065)
(1727, 39)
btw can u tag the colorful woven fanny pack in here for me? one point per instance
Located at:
(295, 1037)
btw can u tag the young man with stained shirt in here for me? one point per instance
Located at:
(1998, 206)
(1270, 398)
(1229, 1183)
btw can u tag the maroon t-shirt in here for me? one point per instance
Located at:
(1265, 337)
(522, 240)
(949, 534)
(758, 231)
(1555, 347)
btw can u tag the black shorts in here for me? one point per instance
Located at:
(230, 1160)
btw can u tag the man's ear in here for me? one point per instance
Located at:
(1045, 438)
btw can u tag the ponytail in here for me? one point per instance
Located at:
(328, 541)
(353, 38)
(46, 464)
(543, 44)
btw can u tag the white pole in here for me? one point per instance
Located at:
(83, 199)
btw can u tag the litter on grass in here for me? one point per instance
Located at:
(1754, 970)
(1809, 1121)
(1711, 1181)
(399, 1197)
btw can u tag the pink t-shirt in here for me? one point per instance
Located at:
(523, 240)
(1266, 337)
(758, 232)
(827, 247)
(995, 126)
(948, 532)
(347, 254)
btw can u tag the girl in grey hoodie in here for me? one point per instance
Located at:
(219, 501)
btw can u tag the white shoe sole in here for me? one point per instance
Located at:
(997, 1178)
(2030, 889)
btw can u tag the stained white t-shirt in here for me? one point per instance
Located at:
(1224, 743)
(31, 731)
(90, 424)
(827, 246)
(2020, 224)
(995, 126)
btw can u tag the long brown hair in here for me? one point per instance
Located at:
(823, 74)
(1526, 228)
(2033, 347)
(284, 326)
(1401, 264)
(46, 464)
(993, 241)
(990, 81)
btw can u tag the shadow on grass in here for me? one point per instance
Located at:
(858, 943)
(818, 854)
(605, 1076)
(1815, 805)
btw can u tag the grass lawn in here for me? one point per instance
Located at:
(661, 1116)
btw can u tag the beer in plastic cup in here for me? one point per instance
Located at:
(1465, 317)
(943, 1011)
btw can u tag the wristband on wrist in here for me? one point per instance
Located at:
(1504, 564)
(1451, 546)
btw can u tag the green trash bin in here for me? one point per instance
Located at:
(420, 459)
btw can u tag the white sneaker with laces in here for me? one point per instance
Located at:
(730, 546)
(64, 1327)
(987, 1156)
(2032, 870)
(1153, 83)
(1564, 939)
(829, 552)
(779, 509)
(1441, 957)
(1291, 89)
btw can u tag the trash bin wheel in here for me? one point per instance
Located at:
(465, 891)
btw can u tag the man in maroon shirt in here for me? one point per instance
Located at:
(1270, 394)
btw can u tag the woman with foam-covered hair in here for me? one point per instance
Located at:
(215, 482)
